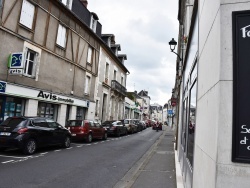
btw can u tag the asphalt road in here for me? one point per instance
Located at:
(99, 164)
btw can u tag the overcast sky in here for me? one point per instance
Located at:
(143, 28)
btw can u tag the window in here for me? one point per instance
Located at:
(27, 14)
(67, 3)
(90, 52)
(96, 107)
(93, 23)
(80, 113)
(106, 73)
(47, 110)
(114, 75)
(30, 63)
(191, 124)
(122, 81)
(87, 85)
(61, 36)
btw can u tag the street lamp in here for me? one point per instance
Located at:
(172, 44)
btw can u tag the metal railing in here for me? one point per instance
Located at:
(118, 87)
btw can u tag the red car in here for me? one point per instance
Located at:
(159, 124)
(86, 130)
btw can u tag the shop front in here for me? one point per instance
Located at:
(16, 100)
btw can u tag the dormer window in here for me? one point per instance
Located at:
(67, 3)
(93, 23)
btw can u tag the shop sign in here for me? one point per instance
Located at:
(173, 101)
(15, 63)
(241, 87)
(53, 97)
(16, 71)
(2, 87)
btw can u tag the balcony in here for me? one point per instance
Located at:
(118, 87)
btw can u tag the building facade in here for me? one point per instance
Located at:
(111, 82)
(211, 91)
(49, 60)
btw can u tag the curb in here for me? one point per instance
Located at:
(179, 180)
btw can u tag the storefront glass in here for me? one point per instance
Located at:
(191, 125)
(80, 113)
(47, 110)
(14, 107)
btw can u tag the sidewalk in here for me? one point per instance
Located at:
(157, 168)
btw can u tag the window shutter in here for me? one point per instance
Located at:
(27, 14)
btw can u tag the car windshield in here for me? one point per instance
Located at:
(14, 122)
(74, 123)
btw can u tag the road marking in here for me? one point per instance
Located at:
(95, 143)
(58, 150)
(79, 146)
(88, 144)
(8, 161)
(69, 148)
(44, 153)
(12, 156)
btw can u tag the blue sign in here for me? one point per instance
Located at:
(170, 112)
(2, 86)
(16, 60)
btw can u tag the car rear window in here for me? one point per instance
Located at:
(126, 121)
(14, 122)
(74, 123)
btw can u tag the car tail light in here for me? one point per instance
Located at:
(22, 130)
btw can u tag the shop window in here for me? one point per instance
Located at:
(191, 124)
(80, 113)
(30, 63)
(47, 110)
(14, 107)
(61, 36)
(27, 14)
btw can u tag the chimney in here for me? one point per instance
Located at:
(85, 3)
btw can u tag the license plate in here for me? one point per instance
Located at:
(4, 134)
(73, 134)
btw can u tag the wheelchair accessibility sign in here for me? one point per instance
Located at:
(2, 87)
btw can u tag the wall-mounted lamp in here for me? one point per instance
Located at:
(172, 45)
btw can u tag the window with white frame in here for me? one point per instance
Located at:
(87, 85)
(90, 54)
(27, 14)
(93, 23)
(122, 81)
(114, 78)
(67, 3)
(61, 36)
(30, 63)
(107, 71)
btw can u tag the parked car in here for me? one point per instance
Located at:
(29, 133)
(115, 128)
(157, 123)
(143, 124)
(86, 130)
(130, 125)
(138, 125)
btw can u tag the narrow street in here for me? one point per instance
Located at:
(99, 164)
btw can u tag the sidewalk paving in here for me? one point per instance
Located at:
(158, 168)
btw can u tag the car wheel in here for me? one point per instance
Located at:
(67, 142)
(105, 136)
(89, 138)
(30, 147)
